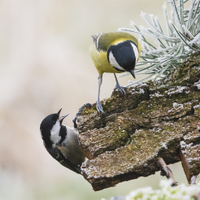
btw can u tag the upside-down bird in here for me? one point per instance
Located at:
(62, 141)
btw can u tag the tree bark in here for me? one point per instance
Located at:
(154, 119)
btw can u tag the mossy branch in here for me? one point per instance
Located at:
(155, 119)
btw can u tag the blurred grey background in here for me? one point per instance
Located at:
(45, 65)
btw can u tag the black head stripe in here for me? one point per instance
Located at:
(45, 128)
(63, 134)
(124, 54)
(119, 69)
(47, 141)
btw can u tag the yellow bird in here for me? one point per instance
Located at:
(114, 52)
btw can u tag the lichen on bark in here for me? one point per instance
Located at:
(152, 120)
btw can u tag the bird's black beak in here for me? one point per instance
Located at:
(59, 112)
(63, 117)
(132, 73)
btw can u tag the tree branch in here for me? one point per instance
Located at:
(152, 120)
(166, 171)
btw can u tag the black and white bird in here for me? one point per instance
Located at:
(62, 141)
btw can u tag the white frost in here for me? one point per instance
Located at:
(177, 90)
(141, 91)
(196, 40)
(197, 84)
(164, 145)
(177, 106)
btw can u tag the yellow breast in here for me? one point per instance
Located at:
(100, 61)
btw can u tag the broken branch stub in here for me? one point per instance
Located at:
(166, 171)
(149, 122)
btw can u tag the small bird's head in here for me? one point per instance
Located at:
(51, 129)
(123, 56)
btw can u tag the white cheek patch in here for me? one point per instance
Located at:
(55, 138)
(135, 50)
(114, 63)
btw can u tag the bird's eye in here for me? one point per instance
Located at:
(54, 119)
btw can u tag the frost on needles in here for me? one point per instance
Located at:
(171, 47)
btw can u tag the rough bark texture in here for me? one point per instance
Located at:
(154, 119)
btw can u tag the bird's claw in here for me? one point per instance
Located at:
(120, 89)
(79, 111)
(99, 107)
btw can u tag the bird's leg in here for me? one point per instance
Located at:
(79, 111)
(98, 105)
(121, 89)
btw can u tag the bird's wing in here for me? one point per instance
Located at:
(96, 40)
(57, 154)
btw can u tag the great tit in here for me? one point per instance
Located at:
(62, 141)
(114, 52)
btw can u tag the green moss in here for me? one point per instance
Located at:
(121, 133)
(87, 111)
(140, 126)
(107, 105)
